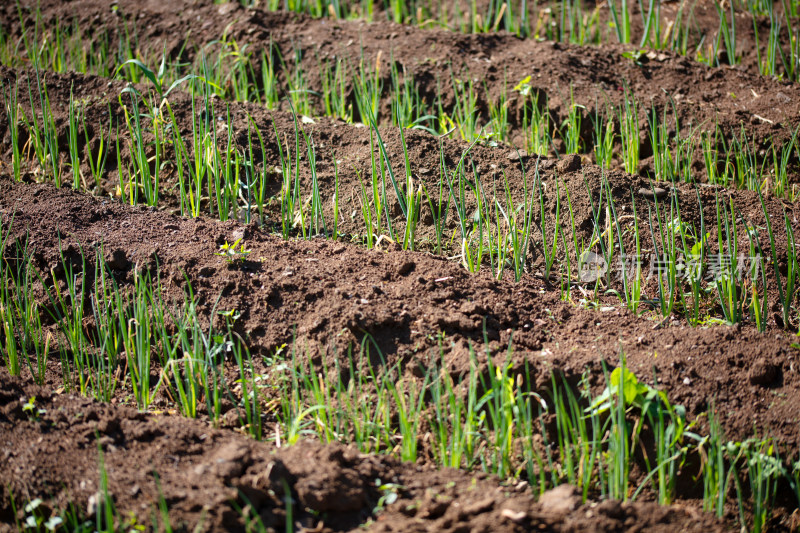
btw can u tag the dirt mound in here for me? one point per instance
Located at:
(326, 296)
(215, 479)
(449, 300)
(563, 74)
(430, 160)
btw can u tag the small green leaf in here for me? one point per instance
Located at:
(146, 71)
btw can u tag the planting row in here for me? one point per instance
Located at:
(316, 296)
(110, 468)
(259, 336)
(544, 99)
(760, 34)
(262, 185)
(696, 251)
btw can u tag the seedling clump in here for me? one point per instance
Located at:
(231, 253)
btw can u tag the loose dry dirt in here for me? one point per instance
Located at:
(328, 295)
(597, 75)
(205, 473)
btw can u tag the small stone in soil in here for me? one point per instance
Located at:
(655, 192)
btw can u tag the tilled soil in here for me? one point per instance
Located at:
(327, 296)
(320, 294)
(497, 168)
(214, 477)
(596, 76)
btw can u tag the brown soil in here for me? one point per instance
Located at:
(320, 294)
(316, 290)
(496, 166)
(701, 95)
(206, 475)
(328, 295)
